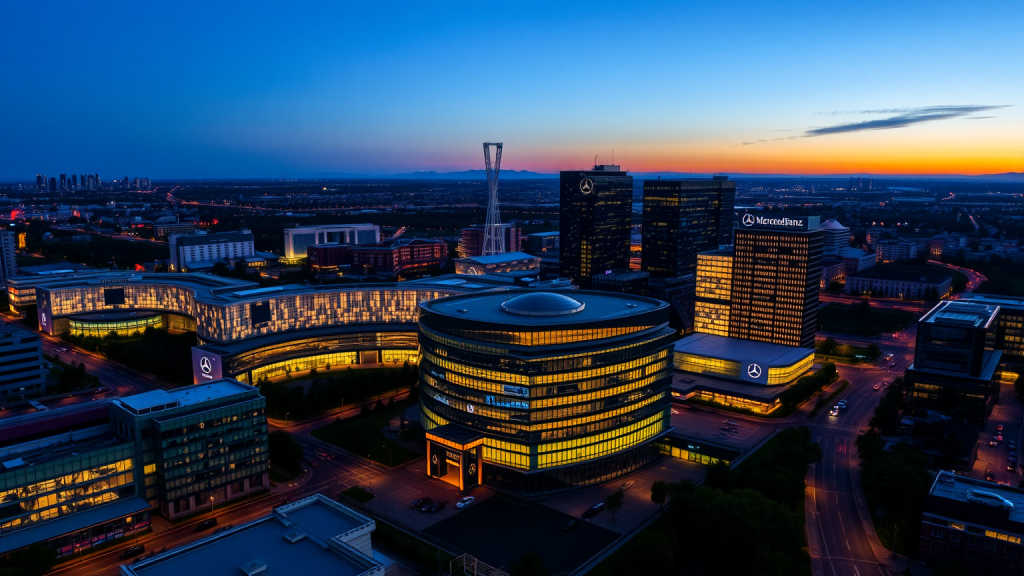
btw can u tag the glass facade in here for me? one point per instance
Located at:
(595, 222)
(50, 490)
(775, 281)
(713, 292)
(126, 327)
(682, 218)
(572, 394)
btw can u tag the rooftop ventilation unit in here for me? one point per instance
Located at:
(294, 536)
(254, 567)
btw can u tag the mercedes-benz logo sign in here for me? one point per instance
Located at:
(586, 185)
(470, 408)
(472, 469)
(754, 371)
(748, 219)
(434, 458)
(205, 364)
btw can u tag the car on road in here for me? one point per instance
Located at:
(675, 411)
(876, 387)
(993, 443)
(999, 437)
(100, 390)
(626, 485)
(834, 411)
(436, 507)
(999, 428)
(892, 365)
(132, 551)
(465, 502)
(989, 475)
(594, 510)
(842, 404)
(570, 525)
(1011, 465)
(208, 523)
(421, 502)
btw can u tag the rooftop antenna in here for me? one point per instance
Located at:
(595, 160)
(494, 236)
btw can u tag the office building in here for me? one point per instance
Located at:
(542, 243)
(713, 292)
(681, 295)
(167, 229)
(858, 259)
(1009, 333)
(507, 262)
(776, 279)
(682, 218)
(976, 524)
(63, 182)
(8, 260)
(195, 252)
(895, 250)
(623, 281)
(22, 370)
(471, 242)
(595, 222)
(536, 392)
(314, 535)
(953, 369)
(296, 240)
(903, 283)
(53, 184)
(837, 237)
(40, 182)
(84, 475)
(833, 271)
(401, 256)
(328, 257)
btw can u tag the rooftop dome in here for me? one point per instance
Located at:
(542, 304)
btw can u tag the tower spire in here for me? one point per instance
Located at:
(494, 236)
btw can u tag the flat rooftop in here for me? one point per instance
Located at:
(950, 486)
(157, 400)
(499, 258)
(1004, 302)
(72, 523)
(299, 538)
(543, 308)
(962, 314)
(739, 350)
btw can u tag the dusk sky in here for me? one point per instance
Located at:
(250, 89)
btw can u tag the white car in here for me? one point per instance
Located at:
(465, 502)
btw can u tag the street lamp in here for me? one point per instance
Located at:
(211, 505)
(286, 416)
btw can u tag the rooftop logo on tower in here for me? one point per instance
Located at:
(586, 186)
(803, 223)
(748, 219)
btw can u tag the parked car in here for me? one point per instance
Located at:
(1012, 445)
(570, 525)
(208, 523)
(627, 485)
(877, 387)
(993, 443)
(999, 437)
(999, 428)
(132, 551)
(465, 502)
(834, 411)
(675, 411)
(436, 507)
(594, 510)
(421, 502)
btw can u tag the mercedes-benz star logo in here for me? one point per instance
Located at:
(748, 220)
(470, 408)
(754, 371)
(205, 364)
(434, 458)
(586, 185)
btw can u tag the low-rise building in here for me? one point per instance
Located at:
(905, 283)
(895, 250)
(976, 524)
(297, 239)
(542, 242)
(328, 257)
(507, 262)
(833, 271)
(471, 243)
(198, 252)
(401, 256)
(314, 535)
(165, 230)
(858, 259)
(622, 281)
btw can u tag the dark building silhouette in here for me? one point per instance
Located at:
(53, 184)
(63, 182)
(595, 222)
(683, 218)
(40, 182)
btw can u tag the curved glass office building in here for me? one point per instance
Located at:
(535, 392)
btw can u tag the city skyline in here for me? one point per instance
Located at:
(238, 90)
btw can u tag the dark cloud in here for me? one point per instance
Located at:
(900, 118)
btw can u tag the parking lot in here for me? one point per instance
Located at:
(1007, 413)
(701, 424)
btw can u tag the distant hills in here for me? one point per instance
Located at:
(471, 175)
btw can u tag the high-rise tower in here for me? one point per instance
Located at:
(683, 218)
(494, 236)
(595, 210)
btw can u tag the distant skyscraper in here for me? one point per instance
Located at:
(92, 182)
(99, 183)
(53, 184)
(776, 277)
(63, 182)
(683, 218)
(40, 182)
(595, 222)
(74, 181)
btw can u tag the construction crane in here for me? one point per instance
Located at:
(494, 236)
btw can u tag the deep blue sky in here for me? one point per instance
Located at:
(222, 89)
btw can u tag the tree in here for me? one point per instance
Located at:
(36, 560)
(614, 502)
(873, 350)
(829, 347)
(658, 493)
(529, 564)
(285, 451)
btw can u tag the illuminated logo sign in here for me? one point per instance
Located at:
(206, 365)
(472, 469)
(754, 371)
(453, 456)
(586, 186)
(470, 408)
(749, 220)
(434, 458)
(42, 319)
